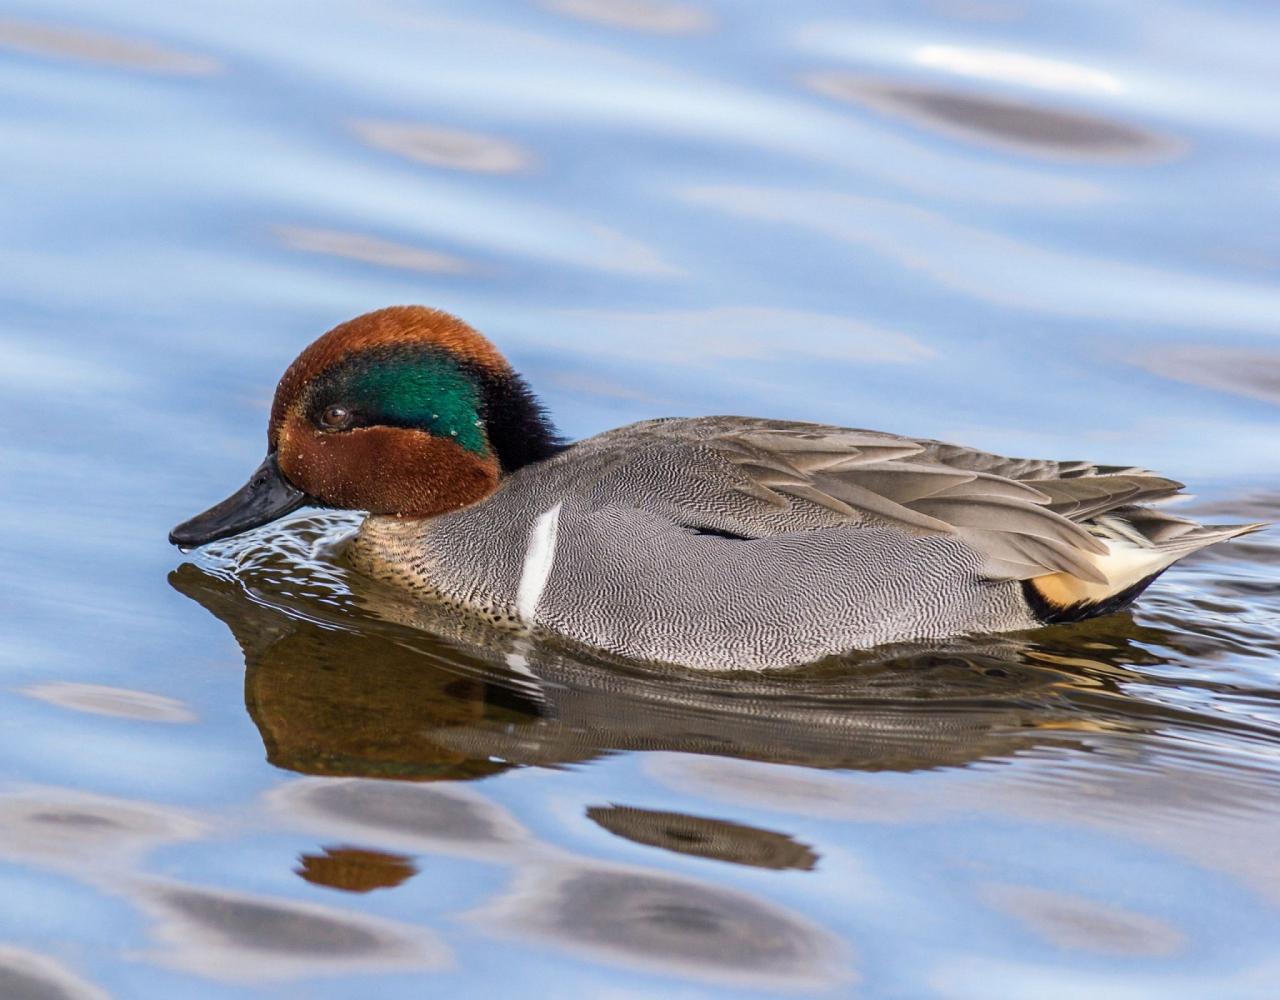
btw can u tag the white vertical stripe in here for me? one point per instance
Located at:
(539, 557)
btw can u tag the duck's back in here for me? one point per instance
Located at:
(727, 542)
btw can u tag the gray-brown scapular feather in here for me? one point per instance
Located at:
(1027, 517)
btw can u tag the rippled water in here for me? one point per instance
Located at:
(1042, 229)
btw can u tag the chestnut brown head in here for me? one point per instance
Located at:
(405, 411)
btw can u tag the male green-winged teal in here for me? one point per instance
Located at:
(714, 542)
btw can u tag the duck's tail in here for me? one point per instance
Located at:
(1142, 543)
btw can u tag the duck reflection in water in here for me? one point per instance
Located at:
(342, 679)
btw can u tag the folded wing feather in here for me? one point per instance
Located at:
(1029, 518)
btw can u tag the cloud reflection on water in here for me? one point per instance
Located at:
(369, 250)
(40, 38)
(659, 16)
(667, 924)
(1017, 123)
(99, 699)
(438, 819)
(1240, 370)
(1079, 924)
(85, 833)
(28, 975)
(445, 147)
(240, 937)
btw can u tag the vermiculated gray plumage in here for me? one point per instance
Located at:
(732, 542)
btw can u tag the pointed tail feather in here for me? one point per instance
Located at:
(1142, 543)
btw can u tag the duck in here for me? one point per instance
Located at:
(720, 542)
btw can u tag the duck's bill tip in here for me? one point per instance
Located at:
(266, 496)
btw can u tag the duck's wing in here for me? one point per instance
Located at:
(1027, 518)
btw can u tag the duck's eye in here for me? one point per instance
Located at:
(335, 418)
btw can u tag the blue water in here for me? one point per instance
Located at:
(1041, 229)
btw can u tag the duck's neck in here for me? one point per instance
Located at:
(519, 429)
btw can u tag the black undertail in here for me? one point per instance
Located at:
(1051, 614)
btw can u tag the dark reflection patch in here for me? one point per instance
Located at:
(66, 829)
(236, 936)
(637, 917)
(18, 984)
(263, 926)
(422, 812)
(354, 869)
(1007, 121)
(73, 819)
(26, 975)
(1081, 924)
(705, 838)
(1245, 371)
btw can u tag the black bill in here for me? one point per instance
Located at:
(266, 496)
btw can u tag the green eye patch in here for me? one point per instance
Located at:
(423, 389)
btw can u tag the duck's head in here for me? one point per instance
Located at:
(406, 411)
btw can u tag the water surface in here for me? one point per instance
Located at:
(1041, 229)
